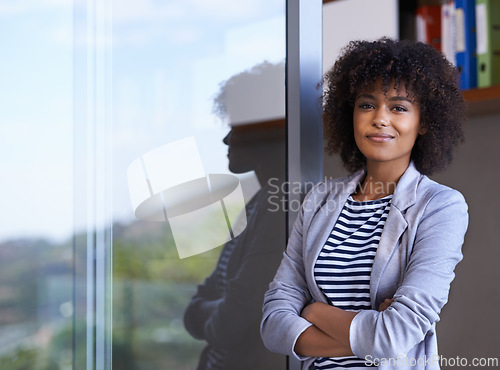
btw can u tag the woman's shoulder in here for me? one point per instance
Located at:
(438, 204)
(435, 199)
(430, 189)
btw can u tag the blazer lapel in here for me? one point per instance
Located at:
(395, 225)
(321, 226)
(393, 229)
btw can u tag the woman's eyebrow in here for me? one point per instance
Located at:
(366, 96)
(392, 98)
(405, 98)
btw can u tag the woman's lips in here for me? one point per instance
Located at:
(380, 138)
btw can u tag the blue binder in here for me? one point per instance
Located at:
(466, 56)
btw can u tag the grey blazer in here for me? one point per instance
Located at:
(415, 261)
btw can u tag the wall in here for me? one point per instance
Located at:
(366, 19)
(470, 323)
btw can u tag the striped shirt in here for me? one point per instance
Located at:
(343, 268)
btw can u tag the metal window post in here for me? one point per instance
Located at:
(304, 70)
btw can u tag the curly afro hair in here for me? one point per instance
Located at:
(424, 72)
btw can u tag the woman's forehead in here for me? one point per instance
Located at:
(388, 88)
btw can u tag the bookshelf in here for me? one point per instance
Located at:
(481, 101)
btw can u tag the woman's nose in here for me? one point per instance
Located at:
(380, 119)
(227, 138)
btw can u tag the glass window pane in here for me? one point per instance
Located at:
(36, 254)
(197, 232)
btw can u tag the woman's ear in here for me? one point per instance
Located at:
(422, 130)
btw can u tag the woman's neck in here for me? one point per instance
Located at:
(380, 180)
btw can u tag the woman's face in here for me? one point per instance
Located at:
(258, 149)
(386, 125)
(241, 151)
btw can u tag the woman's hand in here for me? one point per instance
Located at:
(385, 304)
(314, 342)
(329, 335)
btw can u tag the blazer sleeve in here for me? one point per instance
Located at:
(425, 286)
(287, 295)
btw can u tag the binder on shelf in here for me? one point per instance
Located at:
(488, 42)
(448, 30)
(465, 20)
(428, 23)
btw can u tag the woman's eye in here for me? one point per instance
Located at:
(365, 106)
(400, 109)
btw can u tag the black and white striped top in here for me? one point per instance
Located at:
(343, 268)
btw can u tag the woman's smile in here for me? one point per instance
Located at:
(380, 137)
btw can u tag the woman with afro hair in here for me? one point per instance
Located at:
(371, 257)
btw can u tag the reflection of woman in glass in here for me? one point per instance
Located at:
(371, 257)
(227, 308)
